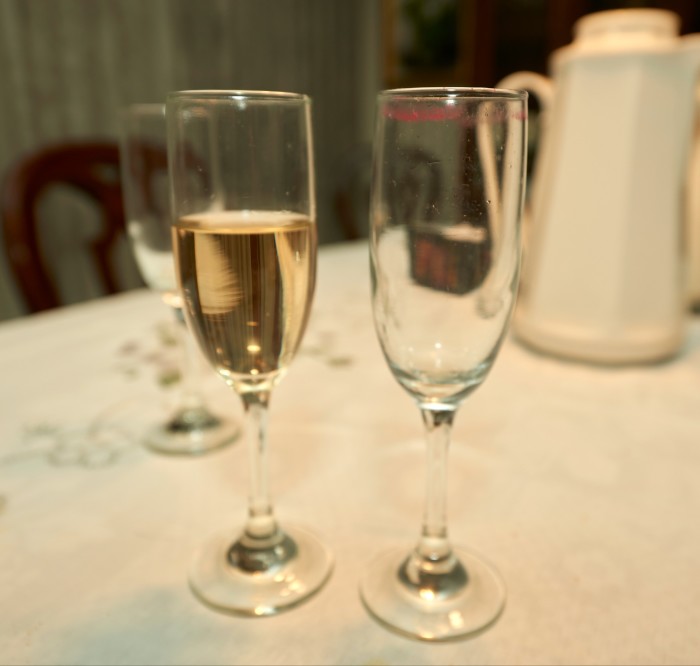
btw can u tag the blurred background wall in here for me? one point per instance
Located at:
(68, 66)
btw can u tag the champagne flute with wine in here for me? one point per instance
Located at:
(245, 247)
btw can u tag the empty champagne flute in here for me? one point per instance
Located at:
(192, 428)
(446, 202)
(245, 247)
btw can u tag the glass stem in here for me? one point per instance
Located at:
(261, 521)
(190, 365)
(434, 544)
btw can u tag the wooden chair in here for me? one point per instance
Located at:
(88, 167)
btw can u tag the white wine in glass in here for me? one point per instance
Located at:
(446, 202)
(245, 247)
(192, 428)
(265, 260)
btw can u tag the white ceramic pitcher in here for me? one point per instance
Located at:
(603, 273)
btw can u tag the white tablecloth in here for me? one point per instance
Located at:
(579, 483)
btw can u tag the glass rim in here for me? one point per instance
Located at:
(455, 92)
(234, 94)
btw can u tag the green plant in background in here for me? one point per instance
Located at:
(432, 25)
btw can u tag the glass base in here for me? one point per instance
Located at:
(259, 576)
(450, 604)
(191, 432)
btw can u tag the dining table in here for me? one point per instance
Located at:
(580, 483)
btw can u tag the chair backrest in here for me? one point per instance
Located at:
(89, 167)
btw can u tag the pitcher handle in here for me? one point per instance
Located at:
(542, 88)
(537, 84)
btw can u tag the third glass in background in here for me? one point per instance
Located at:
(192, 428)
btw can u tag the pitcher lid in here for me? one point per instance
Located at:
(623, 31)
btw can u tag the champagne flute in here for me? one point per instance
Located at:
(192, 428)
(445, 212)
(245, 248)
